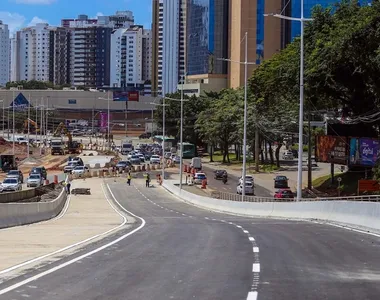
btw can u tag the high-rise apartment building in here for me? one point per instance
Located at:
(121, 19)
(4, 54)
(264, 35)
(127, 56)
(41, 53)
(169, 42)
(147, 55)
(207, 37)
(90, 49)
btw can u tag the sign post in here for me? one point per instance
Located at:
(339, 179)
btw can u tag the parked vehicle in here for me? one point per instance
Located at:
(284, 194)
(39, 170)
(80, 170)
(16, 174)
(34, 180)
(124, 164)
(196, 163)
(135, 160)
(288, 155)
(10, 184)
(155, 159)
(220, 174)
(70, 166)
(281, 182)
(249, 188)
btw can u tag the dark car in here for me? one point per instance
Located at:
(284, 194)
(281, 182)
(219, 174)
(39, 170)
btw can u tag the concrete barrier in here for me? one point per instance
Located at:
(16, 214)
(353, 213)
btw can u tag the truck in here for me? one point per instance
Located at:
(126, 147)
(196, 163)
(8, 162)
(57, 146)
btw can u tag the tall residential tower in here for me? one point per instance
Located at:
(4, 54)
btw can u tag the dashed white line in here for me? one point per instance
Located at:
(245, 231)
(256, 268)
(251, 239)
(252, 296)
(255, 249)
(206, 218)
(183, 215)
(238, 226)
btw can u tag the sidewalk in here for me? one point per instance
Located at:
(86, 217)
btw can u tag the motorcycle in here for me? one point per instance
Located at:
(224, 180)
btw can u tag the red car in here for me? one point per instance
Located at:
(284, 194)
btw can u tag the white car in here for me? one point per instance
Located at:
(199, 177)
(80, 170)
(155, 159)
(10, 184)
(249, 189)
(34, 180)
(288, 155)
(248, 178)
(176, 159)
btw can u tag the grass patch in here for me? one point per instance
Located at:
(348, 185)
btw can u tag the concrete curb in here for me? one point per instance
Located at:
(16, 214)
(354, 213)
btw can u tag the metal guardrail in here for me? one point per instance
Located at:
(239, 198)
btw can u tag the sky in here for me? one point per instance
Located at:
(22, 13)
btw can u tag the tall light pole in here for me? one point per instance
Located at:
(13, 122)
(28, 125)
(245, 63)
(108, 99)
(301, 112)
(3, 101)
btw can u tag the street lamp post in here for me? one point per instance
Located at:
(245, 63)
(3, 101)
(28, 149)
(301, 112)
(108, 99)
(13, 122)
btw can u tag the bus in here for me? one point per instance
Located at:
(188, 150)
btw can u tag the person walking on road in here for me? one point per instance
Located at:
(129, 178)
(147, 180)
(68, 186)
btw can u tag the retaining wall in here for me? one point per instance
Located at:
(15, 214)
(356, 213)
(26, 194)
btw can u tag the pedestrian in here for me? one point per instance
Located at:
(68, 186)
(129, 178)
(147, 180)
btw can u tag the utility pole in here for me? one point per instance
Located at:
(257, 147)
(181, 139)
(309, 165)
(28, 124)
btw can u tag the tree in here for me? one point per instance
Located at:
(34, 85)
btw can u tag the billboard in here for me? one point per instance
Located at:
(103, 121)
(126, 96)
(332, 149)
(364, 151)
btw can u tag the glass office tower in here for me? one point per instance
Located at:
(207, 36)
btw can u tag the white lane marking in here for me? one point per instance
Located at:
(238, 226)
(251, 239)
(252, 296)
(245, 231)
(206, 218)
(255, 249)
(347, 228)
(214, 219)
(255, 268)
(230, 223)
(56, 268)
(183, 215)
(70, 246)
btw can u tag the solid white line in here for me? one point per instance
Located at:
(252, 296)
(245, 231)
(255, 268)
(256, 250)
(70, 246)
(52, 270)
(251, 239)
(347, 228)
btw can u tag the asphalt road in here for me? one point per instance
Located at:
(178, 251)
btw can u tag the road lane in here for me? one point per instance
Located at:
(185, 252)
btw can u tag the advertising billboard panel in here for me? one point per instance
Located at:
(126, 96)
(103, 121)
(364, 151)
(332, 149)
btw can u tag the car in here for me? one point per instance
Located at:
(80, 170)
(288, 155)
(176, 159)
(248, 178)
(142, 157)
(34, 180)
(284, 194)
(313, 162)
(70, 166)
(135, 159)
(155, 159)
(79, 160)
(249, 188)
(281, 182)
(10, 184)
(168, 155)
(146, 135)
(219, 174)
(39, 170)
(123, 164)
(16, 174)
(199, 177)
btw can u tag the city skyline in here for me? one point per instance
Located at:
(23, 13)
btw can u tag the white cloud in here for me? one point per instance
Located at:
(42, 2)
(99, 14)
(36, 20)
(15, 21)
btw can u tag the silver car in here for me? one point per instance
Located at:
(10, 185)
(34, 180)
